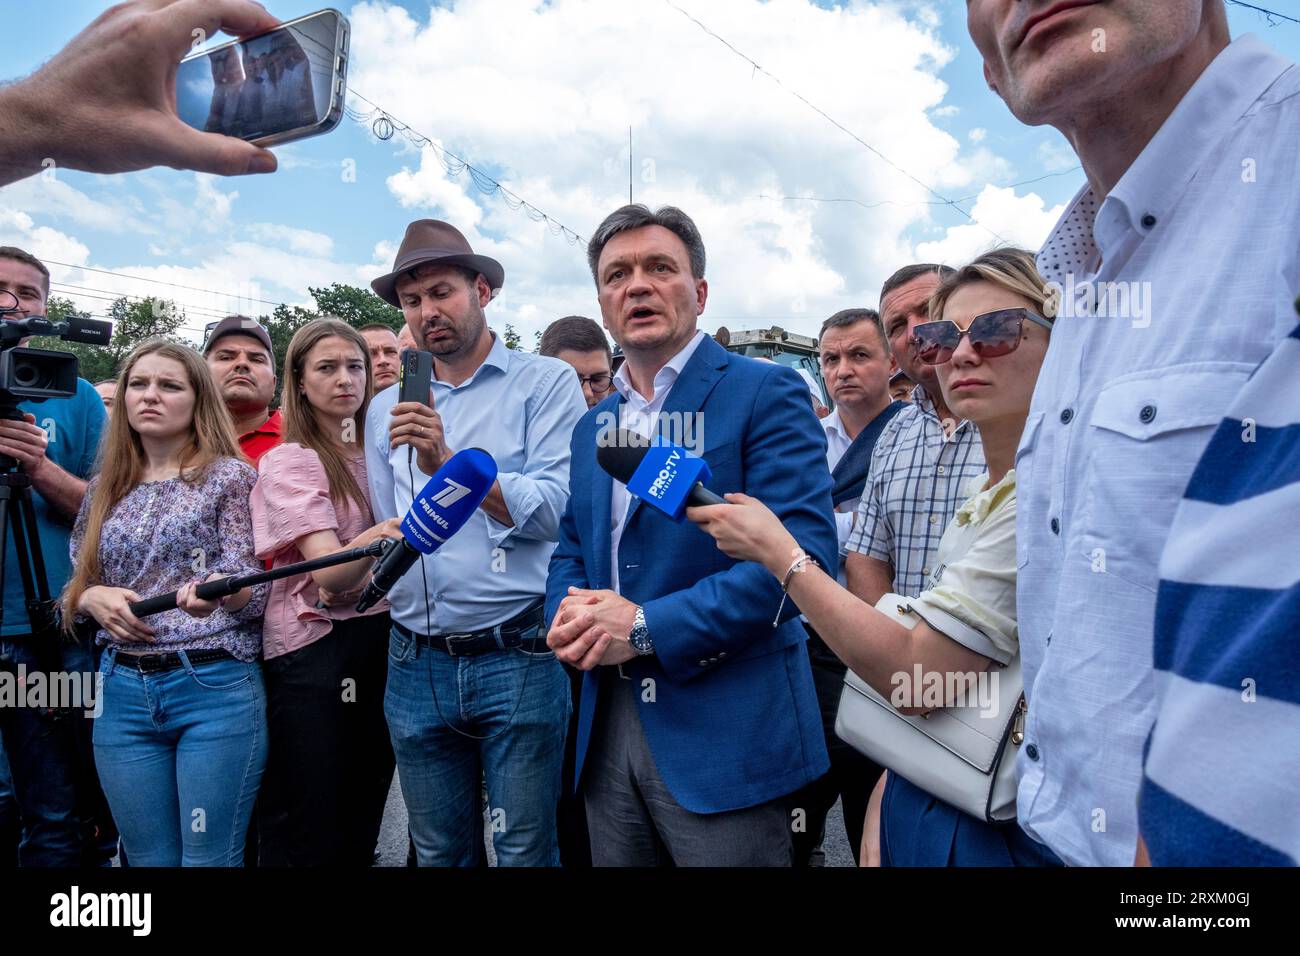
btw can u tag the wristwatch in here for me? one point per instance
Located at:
(640, 636)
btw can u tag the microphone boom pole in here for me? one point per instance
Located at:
(228, 586)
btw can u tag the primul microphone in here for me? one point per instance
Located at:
(441, 509)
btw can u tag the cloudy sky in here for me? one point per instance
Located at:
(800, 217)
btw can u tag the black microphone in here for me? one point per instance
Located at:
(623, 454)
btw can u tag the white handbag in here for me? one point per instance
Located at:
(965, 756)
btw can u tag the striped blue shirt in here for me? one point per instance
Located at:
(1221, 780)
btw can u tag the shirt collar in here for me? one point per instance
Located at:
(269, 427)
(977, 508)
(498, 357)
(666, 376)
(922, 400)
(1150, 188)
(833, 423)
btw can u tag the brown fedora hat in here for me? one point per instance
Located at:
(430, 240)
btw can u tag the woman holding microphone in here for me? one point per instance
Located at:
(331, 761)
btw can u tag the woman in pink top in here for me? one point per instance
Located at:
(331, 762)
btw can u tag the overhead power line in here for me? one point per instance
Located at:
(758, 68)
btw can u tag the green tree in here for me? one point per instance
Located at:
(356, 306)
(511, 337)
(281, 326)
(133, 323)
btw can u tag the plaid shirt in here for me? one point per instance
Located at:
(918, 480)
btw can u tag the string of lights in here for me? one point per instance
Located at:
(1274, 18)
(384, 125)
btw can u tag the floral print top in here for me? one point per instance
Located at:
(164, 534)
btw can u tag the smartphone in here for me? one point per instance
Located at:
(273, 88)
(416, 376)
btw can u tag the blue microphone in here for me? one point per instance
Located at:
(441, 509)
(666, 477)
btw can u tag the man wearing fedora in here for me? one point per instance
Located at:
(474, 695)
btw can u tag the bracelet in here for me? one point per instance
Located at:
(796, 566)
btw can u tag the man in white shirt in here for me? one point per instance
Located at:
(1177, 263)
(856, 365)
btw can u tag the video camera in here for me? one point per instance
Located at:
(39, 374)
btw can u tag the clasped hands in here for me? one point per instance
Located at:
(591, 628)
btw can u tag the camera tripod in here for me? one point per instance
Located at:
(18, 516)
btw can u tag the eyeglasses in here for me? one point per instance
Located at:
(991, 335)
(599, 383)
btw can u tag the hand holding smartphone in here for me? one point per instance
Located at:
(277, 87)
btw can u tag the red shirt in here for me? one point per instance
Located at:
(261, 439)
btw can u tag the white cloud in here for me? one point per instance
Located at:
(212, 206)
(297, 240)
(541, 95)
(430, 188)
(545, 106)
(53, 197)
(19, 229)
(1020, 220)
(1057, 156)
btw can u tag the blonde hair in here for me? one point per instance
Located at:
(122, 458)
(300, 423)
(1012, 269)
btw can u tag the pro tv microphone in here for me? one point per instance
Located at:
(666, 477)
(440, 510)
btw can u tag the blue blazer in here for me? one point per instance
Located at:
(734, 720)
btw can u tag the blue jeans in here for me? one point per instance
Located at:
(520, 697)
(180, 755)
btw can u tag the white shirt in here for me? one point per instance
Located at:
(837, 443)
(1209, 217)
(640, 415)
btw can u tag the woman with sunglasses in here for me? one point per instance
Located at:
(988, 338)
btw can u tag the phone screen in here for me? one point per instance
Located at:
(263, 86)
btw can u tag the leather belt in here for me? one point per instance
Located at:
(160, 663)
(499, 638)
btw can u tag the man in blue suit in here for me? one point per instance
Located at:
(698, 716)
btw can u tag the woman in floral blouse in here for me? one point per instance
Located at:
(181, 743)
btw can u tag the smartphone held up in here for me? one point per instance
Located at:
(277, 87)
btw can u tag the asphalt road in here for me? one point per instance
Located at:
(392, 836)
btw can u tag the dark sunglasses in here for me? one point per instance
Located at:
(991, 335)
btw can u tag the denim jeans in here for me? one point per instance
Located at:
(519, 700)
(181, 754)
